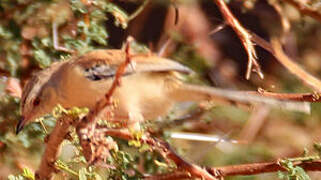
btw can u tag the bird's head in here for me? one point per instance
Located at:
(37, 99)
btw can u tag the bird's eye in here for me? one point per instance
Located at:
(36, 102)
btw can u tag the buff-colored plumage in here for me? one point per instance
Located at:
(149, 87)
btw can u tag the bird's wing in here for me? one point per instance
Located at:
(102, 64)
(158, 64)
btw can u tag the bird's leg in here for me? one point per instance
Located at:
(55, 39)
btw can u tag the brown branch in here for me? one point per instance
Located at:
(294, 68)
(304, 9)
(169, 176)
(86, 128)
(186, 170)
(276, 50)
(47, 165)
(259, 168)
(165, 150)
(304, 97)
(244, 36)
(243, 169)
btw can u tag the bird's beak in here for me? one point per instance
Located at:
(20, 125)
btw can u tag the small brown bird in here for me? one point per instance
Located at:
(149, 87)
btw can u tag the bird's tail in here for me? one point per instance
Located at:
(186, 92)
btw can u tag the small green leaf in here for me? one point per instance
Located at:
(78, 7)
(121, 16)
(42, 58)
(28, 174)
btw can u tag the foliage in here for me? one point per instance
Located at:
(294, 172)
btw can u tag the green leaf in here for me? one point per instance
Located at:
(5, 33)
(121, 16)
(78, 7)
(294, 172)
(28, 174)
(42, 58)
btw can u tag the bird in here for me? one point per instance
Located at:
(150, 86)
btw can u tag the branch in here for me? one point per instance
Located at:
(186, 170)
(169, 176)
(47, 165)
(259, 168)
(304, 9)
(294, 68)
(303, 97)
(165, 150)
(243, 169)
(86, 128)
(275, 48)
(244, 36)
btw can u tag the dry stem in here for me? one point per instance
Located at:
(47, 165)
(186, 170)
(244, 36)
(294, 68)
(166, 151)
(259, 168)
(86, 128)
(275, 48)
(304, 97)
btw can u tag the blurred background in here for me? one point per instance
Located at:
(35, 33)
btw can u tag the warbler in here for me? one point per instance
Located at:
(150, 87)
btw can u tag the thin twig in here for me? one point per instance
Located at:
(242, 169)
(169, 176)
(259, 168)
(55, 38)
(138, 10)
(276, 50)
(305, 97)
(186, 170)
(294, 68)
(165, 150)
(244, 36)
(86, 128)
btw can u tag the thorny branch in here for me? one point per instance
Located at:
(305, 97)
(186, 170)
(86, 128)
(294, 68)
(244, 36)
(276, 50)
(166, 151)
(259, 168)
(238, 170)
